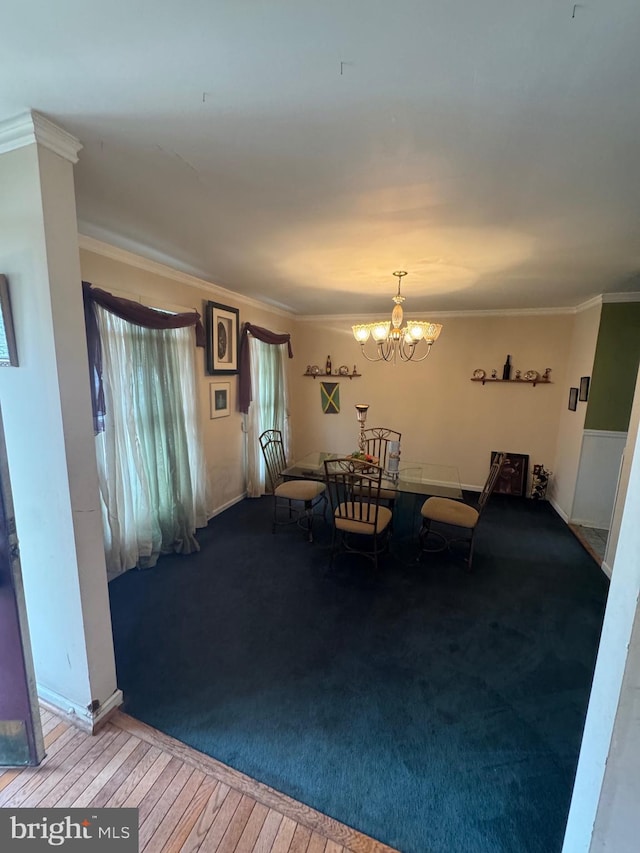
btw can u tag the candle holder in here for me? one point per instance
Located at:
(361, 414)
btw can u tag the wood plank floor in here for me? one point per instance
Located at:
(186, 801)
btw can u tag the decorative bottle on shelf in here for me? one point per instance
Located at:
(506, 370)
(327, 368)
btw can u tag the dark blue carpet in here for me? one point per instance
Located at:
(433, 709)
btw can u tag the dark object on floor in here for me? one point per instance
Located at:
(540, 482)
(437, 710)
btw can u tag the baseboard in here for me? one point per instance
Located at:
(226, 505)
(82, 717)
(606, 568)
(563, 515)
(588, 522)
(467, 488)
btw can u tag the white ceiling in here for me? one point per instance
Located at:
(299, 152)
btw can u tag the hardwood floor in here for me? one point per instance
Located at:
(186, 801)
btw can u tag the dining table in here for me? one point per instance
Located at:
(415, 478)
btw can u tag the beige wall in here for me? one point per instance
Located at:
(442, 415)
(223, 437)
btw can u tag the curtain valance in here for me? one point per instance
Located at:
(133, 312)
(267, 337)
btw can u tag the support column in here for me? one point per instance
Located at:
(48, 424)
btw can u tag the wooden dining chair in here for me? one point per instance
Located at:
(361, 525)
(456, 514)
(293, 499)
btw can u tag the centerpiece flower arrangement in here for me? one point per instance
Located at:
(361, 456)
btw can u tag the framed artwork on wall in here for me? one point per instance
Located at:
(222, 327)
(219, 393)
(573, 399)
(8, 349)
(513, 476)
(583, 396)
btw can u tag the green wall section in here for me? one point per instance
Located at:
(615, 367)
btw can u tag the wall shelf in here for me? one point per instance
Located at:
(533, 382)
(332, 375)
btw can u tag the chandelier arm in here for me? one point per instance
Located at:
(387, 350)
(409, 353)
(368, 357)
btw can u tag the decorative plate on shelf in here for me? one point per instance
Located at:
(531, 374)
(479, 373)
(315, 370)
(343, 370)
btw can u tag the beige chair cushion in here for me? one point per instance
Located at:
(355, 525)
(300, 490)
(450, 512)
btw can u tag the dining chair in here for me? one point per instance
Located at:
(456, 514)
(289, 495)
(376, 441)
(361, 525)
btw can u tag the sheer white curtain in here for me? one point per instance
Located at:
(269, 408)
(151, 463)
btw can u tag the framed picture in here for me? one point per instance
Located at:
(8, 349)
(513, 476)
(573, 399)
(584, 388)
(222, 325)
(219, 399)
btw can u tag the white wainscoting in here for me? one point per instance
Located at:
(597, 480)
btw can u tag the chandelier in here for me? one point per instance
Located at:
(391, 340)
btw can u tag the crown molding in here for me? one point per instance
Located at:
(595, 302)
(621, 297)
(437, 315)
(607, 297)
(162, 268)
(166, 267)
(31, 127)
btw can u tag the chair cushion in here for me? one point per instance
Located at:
(355, 525)
(448, 511)
(300, 490)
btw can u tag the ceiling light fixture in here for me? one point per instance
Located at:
(391, 340)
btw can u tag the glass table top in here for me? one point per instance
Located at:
(418, 478)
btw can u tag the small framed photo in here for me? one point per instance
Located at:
(8, 349)
(222, 325)
(219, 399)
(573, 399)
(583, 396)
